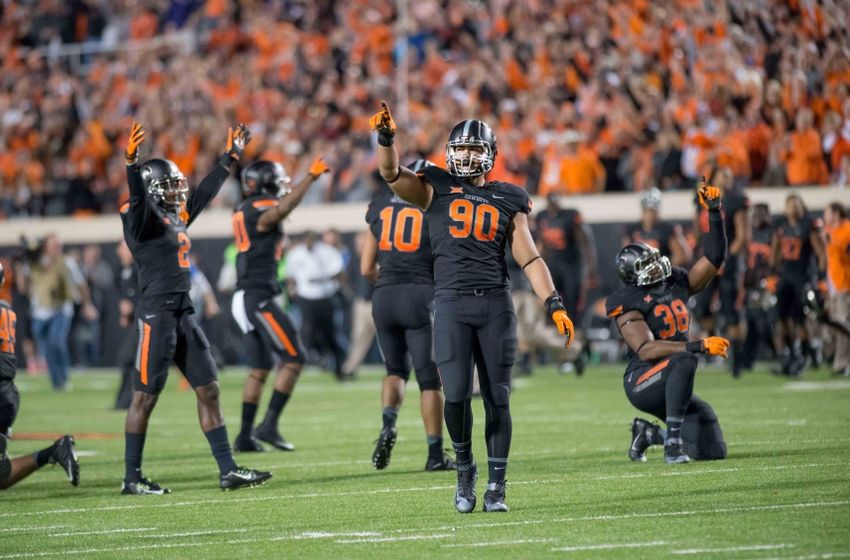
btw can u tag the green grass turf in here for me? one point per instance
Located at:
(784, 491)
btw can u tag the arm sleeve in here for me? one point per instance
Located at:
(715, 243)
(137, 213)
(209, 187)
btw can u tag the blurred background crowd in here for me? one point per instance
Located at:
(585, 96)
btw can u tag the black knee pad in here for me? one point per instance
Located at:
(428, 379)
(404, 375)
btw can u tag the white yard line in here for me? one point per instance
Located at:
(498, 543)
(194, 533)
(612, 546)
(393, 539)
(324, 535)
(732, 549)
(103, 532)
(33, 528)
(821, 556)
(691, 472)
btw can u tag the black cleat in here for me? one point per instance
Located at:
(273, 438)
(142, 487)
(465, 498)
(247, 444)
(65, 456)
(494, 497)
(644, 434)
(5, 462)
(384, 448)
(443, 463)
(674, 454)
(243, 478)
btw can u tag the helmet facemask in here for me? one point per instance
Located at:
(652, 268)
(469, 157)
(171, 191)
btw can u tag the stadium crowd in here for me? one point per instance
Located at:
(584, 96)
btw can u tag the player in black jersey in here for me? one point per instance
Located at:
(155, 219)
(798, 257)
(729, 283)
(668, 239)
(268, 330)
(470, 221)
(652, 315)
(397, 257)
(760, 307)
(61, 452)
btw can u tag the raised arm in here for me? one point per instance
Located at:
(526, 255)
(714, 243)
(138, 209)
(404, 182)
(271, 217)
(640, 339)
(207, 190)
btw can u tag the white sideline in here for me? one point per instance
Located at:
(34, 528)
(393, 539)
(731, 549)
(324, 535)
(498, 543)
(103, 532)
(611, 546)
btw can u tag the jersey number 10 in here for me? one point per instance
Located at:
(393, 234)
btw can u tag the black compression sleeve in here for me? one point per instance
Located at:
(715, 245)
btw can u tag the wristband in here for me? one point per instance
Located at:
(386, 139)
(694, 347)
(554, 303)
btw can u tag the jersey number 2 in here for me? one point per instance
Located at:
(675, 317)
(183, 250)
(473, 219)
(404, 216)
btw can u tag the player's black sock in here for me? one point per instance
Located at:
(43, 457)
(435, 447)
(680, 388)
(497, 432)
(134, 445)
(276, 404)
(249, 412)
(221, 449)
(459, 424)
(390, 415)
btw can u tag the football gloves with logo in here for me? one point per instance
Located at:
(709, 196)
(137, 136)
(555, 309)
(237, 139)
(382, 122)
(318, 167)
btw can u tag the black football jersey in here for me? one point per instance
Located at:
(795, 248)
(258, 252)
(556, 231)
(758, 255)
(657, 237)
(468, 226)
(664, 307)
(404, 247)
(8, 362)
(157, 238)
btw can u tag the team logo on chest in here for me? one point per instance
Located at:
(456, 190)
(647, 298)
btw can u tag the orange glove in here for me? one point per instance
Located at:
(709, 197)
(715, 346)
(382, 122)
(318, 167)
(237, 139)
(565, 325)
(137, 136)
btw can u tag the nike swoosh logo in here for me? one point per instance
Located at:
(242, 476)
(150, 316)
(497, 196)
(498, 468)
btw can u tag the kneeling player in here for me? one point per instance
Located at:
(258, 229)
(652, 315)
(61, 452)
(402, 308)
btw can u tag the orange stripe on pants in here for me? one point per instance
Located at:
(652, 371)
(280, 333)
(146, 344)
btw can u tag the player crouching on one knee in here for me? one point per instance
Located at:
(652, 315)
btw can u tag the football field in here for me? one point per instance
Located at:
(784, 492)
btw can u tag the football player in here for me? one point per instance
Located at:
(62, 451)
(652, 315)
(796, 243)
(397, 256)
(729, 284)
(757, 282)
(155, 220)
(268, 330)
(669, 240)
(470, 221)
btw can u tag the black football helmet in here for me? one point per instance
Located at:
(164, 182)
(467, 163)
(642, 265)
(419, 165)
(265, 176)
